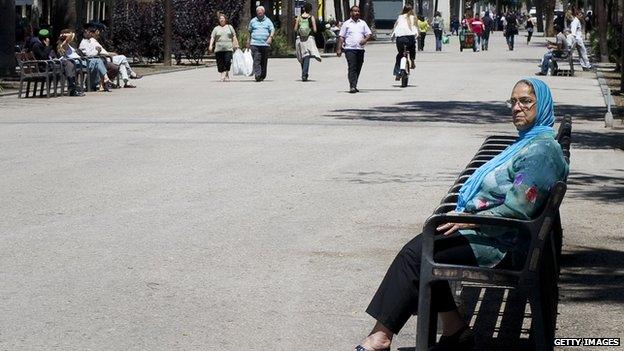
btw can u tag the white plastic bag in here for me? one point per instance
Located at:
(248, 62)
(238, 64)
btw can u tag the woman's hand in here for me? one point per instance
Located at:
(210, 48)
(450, 228)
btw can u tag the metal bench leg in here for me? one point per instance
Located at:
(21, 87)
(424, 314)
(537, 320)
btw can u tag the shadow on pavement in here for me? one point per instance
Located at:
(597, 140)
(462, 112)
(592, 275)
(597, 187)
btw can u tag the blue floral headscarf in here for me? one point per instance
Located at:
(544, 121)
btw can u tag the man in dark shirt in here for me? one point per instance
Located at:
(40, 46)
(488, 23)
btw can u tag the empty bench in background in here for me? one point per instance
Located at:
(536, 280)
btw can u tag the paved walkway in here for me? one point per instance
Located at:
(189, 214)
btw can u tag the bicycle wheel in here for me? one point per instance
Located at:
(404, 78)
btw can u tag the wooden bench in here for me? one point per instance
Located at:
(535, 280)
(554, 68)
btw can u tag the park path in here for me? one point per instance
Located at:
(188, 214)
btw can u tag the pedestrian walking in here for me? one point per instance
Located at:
(511, 29)
(261, 31)
(423, 27)
(438, 28)
(577, 33)
(589, 22)
(529, 28)
(477, 27)
(405, 31)
(488, 24)
(305, 45)
(223, 42)
(354, 34)
(454, 26)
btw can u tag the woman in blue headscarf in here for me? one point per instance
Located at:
(513, 184)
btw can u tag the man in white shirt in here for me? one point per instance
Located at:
(577, 32)
(91, 47)
(354, 34)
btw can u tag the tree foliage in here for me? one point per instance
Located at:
(138, 29)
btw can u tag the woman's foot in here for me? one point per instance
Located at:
(379, 339)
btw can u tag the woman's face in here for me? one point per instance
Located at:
(222, 20)
(523, 106)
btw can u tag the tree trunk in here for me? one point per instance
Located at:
(287, 20)
(81, 16)
(7, 38)
(621, 22)
(246, 13)
(63, 16)
(601, 21)
(168, 32)
(539, 14)
(368, 13)
(549, 12)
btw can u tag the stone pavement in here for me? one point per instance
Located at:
(189, 214)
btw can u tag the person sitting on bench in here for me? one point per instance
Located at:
(559, 49)
(96, 67)
(513, 184)
(91, 47)
(42, 50)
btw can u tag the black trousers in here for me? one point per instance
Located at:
(396, 299)
(355, 60)
(260, 59)
(69, 69)
(421, 41)
(224, 61)
(401, 43)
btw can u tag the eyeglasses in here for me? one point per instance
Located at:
(525, 103)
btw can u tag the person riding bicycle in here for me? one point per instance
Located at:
(405, 31)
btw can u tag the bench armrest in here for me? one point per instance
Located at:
(430, 232)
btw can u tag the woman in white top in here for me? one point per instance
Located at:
(405, 32)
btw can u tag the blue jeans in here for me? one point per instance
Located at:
(510, 42)
(305, 67)
(438, 39)
(97, 70)
(477, 42)
(546, 62)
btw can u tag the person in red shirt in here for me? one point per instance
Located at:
(477, 27)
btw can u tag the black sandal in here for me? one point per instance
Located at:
(462, 339)
(361, 348)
